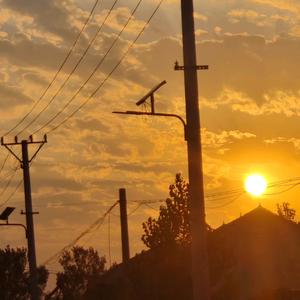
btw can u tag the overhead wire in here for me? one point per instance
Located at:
(225, 204)
(109, 240)
(283, 191)
(12, 193)
(4, 162)
(83, 55)
(94, 225)
(9, 181)
(101, 84)
(57, 72)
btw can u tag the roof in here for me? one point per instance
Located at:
(257, 252)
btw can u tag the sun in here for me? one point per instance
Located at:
(255, 184)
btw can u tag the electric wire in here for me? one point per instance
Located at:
(283, 191)
(135, 209)
(12, 194)
(58, 71)
(81, 235)
(4, 163)
(6, 186)
(101, 84)
(92, 74)
(92, 233)
(109, 240)
(72, 71)
(227, 203)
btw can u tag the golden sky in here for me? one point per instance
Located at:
(249, 102)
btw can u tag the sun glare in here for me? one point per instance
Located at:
(255, 184)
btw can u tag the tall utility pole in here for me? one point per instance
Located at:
(200, 267)
(124, 225)
(25, 165)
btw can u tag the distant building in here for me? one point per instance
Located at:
(255, 257)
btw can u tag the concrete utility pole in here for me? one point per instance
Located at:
(124, 225)
(25, 165)
(200, 267)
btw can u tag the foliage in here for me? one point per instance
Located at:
(286, 212)
(172, 225)
(14, 283)
(79, 265)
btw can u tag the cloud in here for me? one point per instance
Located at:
(200, 17)
(43, 12)
(292, 5)
(251, 16)
(12, 96)
(294, 141)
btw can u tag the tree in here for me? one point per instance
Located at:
(14, 283)
(79, 265)
(286, 212)
(173, 223)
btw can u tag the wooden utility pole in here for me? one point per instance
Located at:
(25, 165)
(124, 225)
(200, 267)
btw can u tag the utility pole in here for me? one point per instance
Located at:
(192, 132)
(124, 225)
(25, 165)
(200, 267)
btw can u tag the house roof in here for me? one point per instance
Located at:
(257, 252)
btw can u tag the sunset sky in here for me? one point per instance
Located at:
(249, 101)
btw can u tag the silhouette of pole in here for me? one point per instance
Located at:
(124, 225)
(29, 223)
(25, 165)
(200, 267)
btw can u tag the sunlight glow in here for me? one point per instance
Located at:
(255, 184)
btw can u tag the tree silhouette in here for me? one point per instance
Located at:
(80, 265)
(172, 225)
(14, 278)
(286, 212)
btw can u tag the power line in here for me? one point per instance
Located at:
(93, 72)
(4, 163)
(72, 71)
(4, 189)
(102, 83)
(9, 183)
(227, 203)
(80, 236)
(283, 191)
(58, 71)
(12, 194)
(109, 240)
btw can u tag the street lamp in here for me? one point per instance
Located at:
(150, 95)
(4, 217)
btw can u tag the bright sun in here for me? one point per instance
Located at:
(255, 184)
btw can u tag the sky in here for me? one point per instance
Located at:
(249, 106)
